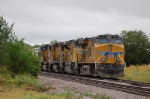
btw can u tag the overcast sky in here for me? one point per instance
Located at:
(40, 21)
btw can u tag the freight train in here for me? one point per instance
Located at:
(102, 55)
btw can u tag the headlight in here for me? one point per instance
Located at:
(110, 48)
(118, 60)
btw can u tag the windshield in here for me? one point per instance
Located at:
(101, 40)
(116, 40)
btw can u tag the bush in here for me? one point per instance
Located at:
(27, 80)
(21, 60)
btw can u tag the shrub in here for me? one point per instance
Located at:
(27, 80)
(21, 60)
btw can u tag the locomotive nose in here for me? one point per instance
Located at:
(109, 53)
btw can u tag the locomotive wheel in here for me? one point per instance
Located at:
(47, 68)
(51, 68)
(114, 78)
(42, 67)
(94, 74)
(77, 71)
(59, 69)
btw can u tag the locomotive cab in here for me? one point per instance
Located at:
(109, 59)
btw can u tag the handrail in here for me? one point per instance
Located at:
(122, 60)
(98, 60)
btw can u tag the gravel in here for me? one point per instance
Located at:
(59, 86)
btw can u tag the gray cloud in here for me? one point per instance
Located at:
(42, 21)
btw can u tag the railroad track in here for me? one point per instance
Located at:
(129, 88)
(135, 83)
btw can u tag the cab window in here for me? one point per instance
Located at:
(116, 40)
(101, 40)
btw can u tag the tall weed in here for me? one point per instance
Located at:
(27, 80)
(138, 73)
(24, 80)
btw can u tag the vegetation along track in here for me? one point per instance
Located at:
(129, 88)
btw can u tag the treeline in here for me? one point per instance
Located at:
(137, 47)
(15, 55)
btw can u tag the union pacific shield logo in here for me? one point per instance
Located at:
(110, 54)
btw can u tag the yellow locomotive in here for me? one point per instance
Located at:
(102, 55)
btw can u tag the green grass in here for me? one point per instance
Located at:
(137, 73)
(20, 93)
(96, 96)
(16, 88)
(20, 81)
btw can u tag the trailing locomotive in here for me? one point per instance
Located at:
(102, 55)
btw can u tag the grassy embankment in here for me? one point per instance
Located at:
(22, 87)
(138, 73)
(28, 87)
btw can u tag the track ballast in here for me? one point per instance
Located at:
(138, 89)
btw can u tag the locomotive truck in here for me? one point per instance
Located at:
(102, 55)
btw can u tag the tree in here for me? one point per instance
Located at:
(53, 41)
(5, 30)
(136, 47)
(16, 55)
(79, 38)
(36, 45)
(6, 34)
